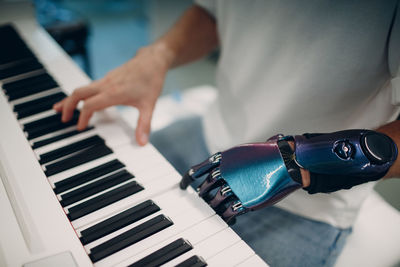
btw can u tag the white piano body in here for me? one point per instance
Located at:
(34, 228)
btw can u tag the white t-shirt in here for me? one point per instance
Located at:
(304, 66)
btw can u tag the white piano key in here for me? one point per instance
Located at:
(135, 155)
(209, 247)
(64, 142)
(170, 203)
(36, 117)
(145, 178)
(58, 159)
(53, 134)
(253, 261)
(23, 76)
(121, 231)
(144, 163)
(150, 175)
(140, 161)
(89, 182)
(115, 233)
(112, 132)
(97, 194)
(231, 256)
(148, 193)
(35, 96)
(81, 168)
(185, 221)
(193, 235)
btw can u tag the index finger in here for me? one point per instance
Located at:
(199, 170)
(97, 102)
(70, 103)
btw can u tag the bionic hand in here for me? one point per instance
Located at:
(252, 176)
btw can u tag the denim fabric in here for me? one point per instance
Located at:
(282, 238)
(279, 237)
(182, 143)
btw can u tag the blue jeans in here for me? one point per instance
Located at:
(279, 237)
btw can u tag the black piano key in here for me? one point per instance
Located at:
(118, 221)
(95, 187)
(87, 176)
(53, 97)
(25, 82)
(13, 50)
(164, 254)
(59, 137)
(70, 149)
(38, 105)
(44, 121)
(31, 90)
(23, 67)
(49, 126)
(20, 61)
(194, 261)
(130, 237)
(103, 200)
(87, 155)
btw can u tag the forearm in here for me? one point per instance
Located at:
(393, 131)
(193, 36)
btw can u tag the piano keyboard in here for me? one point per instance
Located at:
(122, 201)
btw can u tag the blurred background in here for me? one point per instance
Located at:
(103, 34)
(115, 30)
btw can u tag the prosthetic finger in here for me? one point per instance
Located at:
(250, 177)
(212, 181)
(234, 209)
(200, 169)
(224, 193)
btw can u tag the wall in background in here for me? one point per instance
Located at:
(390, 191)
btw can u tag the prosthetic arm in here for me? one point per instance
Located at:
(252, 176)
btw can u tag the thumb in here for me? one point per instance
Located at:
(144, 125)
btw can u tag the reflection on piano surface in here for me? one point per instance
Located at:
(122, 201)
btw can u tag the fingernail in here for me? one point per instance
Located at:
(56, 105)
(144, 138)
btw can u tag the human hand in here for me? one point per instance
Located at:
(136, 83)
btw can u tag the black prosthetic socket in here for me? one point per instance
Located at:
(325, 183)
(371, 151)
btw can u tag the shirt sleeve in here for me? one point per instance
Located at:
(208, 5)
(394, 58)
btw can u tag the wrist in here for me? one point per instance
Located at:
(305, 175)
(160, 54)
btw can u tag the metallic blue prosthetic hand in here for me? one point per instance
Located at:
(252, 176)
(248, 176)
